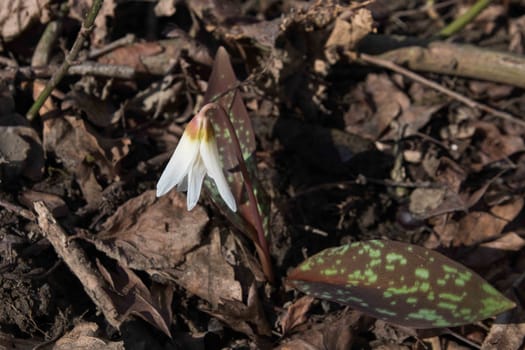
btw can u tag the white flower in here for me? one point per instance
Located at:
(195, 156)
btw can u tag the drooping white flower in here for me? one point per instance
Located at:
(195, 156)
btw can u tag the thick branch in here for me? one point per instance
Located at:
(447, 58)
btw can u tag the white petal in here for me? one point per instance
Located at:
(210, 156)
(195, 178)
(179, 164)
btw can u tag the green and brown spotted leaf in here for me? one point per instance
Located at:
(399, 283)
(223, 89)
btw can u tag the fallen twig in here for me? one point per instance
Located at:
(84, 68)
(427, 82)
(103, 70)
(75, 259)
(125, 40)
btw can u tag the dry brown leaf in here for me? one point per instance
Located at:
(296, 314)
(389, 103)
(334, 332)
(412, 119)
(446, 228)
(215, 11)
(49, 105)
(478, 226)
(131, 55)
(495, 145)
(508, 332)
(148, 232)
(392, 337)
(86, 336)
(488, 18)
(207, 274)
(265, 33)
(247, 317)
(131, 297)
(508, 211)
(484, 89)
(18, 15)
(100, 113)
(165, 8)
(449, 173)
(428, 202)
(80, 148)
(508, 242)
(21, 153)
(487, 254)
(349, 28)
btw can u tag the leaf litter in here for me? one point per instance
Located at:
(341, 149)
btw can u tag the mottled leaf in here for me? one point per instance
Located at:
(399, 283)
(223, 89)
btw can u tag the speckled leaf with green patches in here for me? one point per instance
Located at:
(223, 89)
(399, 283)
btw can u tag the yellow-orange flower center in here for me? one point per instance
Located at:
(200, 128)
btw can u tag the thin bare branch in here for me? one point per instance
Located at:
(85, 32)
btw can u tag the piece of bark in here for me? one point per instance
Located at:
(75, 259)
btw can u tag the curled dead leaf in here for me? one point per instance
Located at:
(296, 313)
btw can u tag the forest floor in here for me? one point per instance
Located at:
(369, 123)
